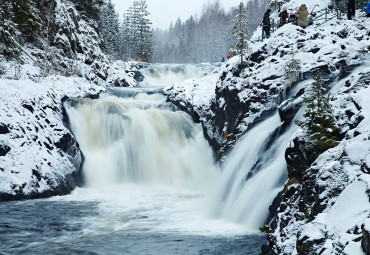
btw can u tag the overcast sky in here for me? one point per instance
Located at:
(162, 12)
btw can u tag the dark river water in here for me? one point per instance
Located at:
(64, 226)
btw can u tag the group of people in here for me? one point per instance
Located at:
(351, 9)
(299, 18)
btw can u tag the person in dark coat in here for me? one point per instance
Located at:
(368, 9)
(283, 16)
(293, 18)
(266, 23)
(351, 7)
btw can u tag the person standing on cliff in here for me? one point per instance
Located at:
(303, 16)
(351, 8)
(266, 23)
(283, 16)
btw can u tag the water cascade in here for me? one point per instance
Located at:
(140, 140)
(253, 174)
(166, 74)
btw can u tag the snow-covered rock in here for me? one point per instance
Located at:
(325, 203)
(38, 154)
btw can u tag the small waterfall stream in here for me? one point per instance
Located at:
(253, 174)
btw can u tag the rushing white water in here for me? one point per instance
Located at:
(168, 74)
(148, 167)
(140, 140)
(253, 175)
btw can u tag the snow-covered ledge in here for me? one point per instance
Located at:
(38, 155)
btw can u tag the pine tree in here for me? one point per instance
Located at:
(91, 8)
(136, 32)
(8, 31)
(26, 15)
(145, 36)
(293, 68)
(319, 122)
(240, 32)
(109, 28)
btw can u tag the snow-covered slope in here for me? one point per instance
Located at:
(325, 206)
(243, 96)
(38, 154)
(324, 210)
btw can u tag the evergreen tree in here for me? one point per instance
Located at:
(144, 33)
(319, 122)
(136, 33)
(203, 39)
(109, 29)
(293, 68)
(26, 15)
(91, 8)
(240, 32)
(8, 31)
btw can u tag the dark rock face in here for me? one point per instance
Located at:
(139, 77)
(299, 157)
(313, 184)
(4, 150)
(3, 129)
(69, 145)
(365, 241)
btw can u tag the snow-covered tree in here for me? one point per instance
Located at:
(136, 33)
(8, 30)
(319, 122)
(91, 8)
(240, 32)
(110, 29)
(144, 32)
(197, 39)
(293, 67)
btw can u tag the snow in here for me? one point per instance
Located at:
(341, 181)
(35, 130)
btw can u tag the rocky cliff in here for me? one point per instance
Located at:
(39, 155)
(324, 207)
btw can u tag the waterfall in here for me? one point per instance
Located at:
(166, 74)
(139, 139)
(253, 175)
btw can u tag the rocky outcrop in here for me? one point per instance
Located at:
(39, 157)
(365, 240)
(320, 184)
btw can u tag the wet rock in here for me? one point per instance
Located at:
(28, 107)
(365, 241)
(69, 145)
(139, 77)
(299, 157)
(288, 109)
(3, 129)
(4, 150)
(306, 245)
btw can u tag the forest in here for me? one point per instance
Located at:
(203, 38)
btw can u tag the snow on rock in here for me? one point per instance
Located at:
(38, 154)
(325, 205)
(244, 96)
(324, 213)
(75, 49)
(196, 96)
